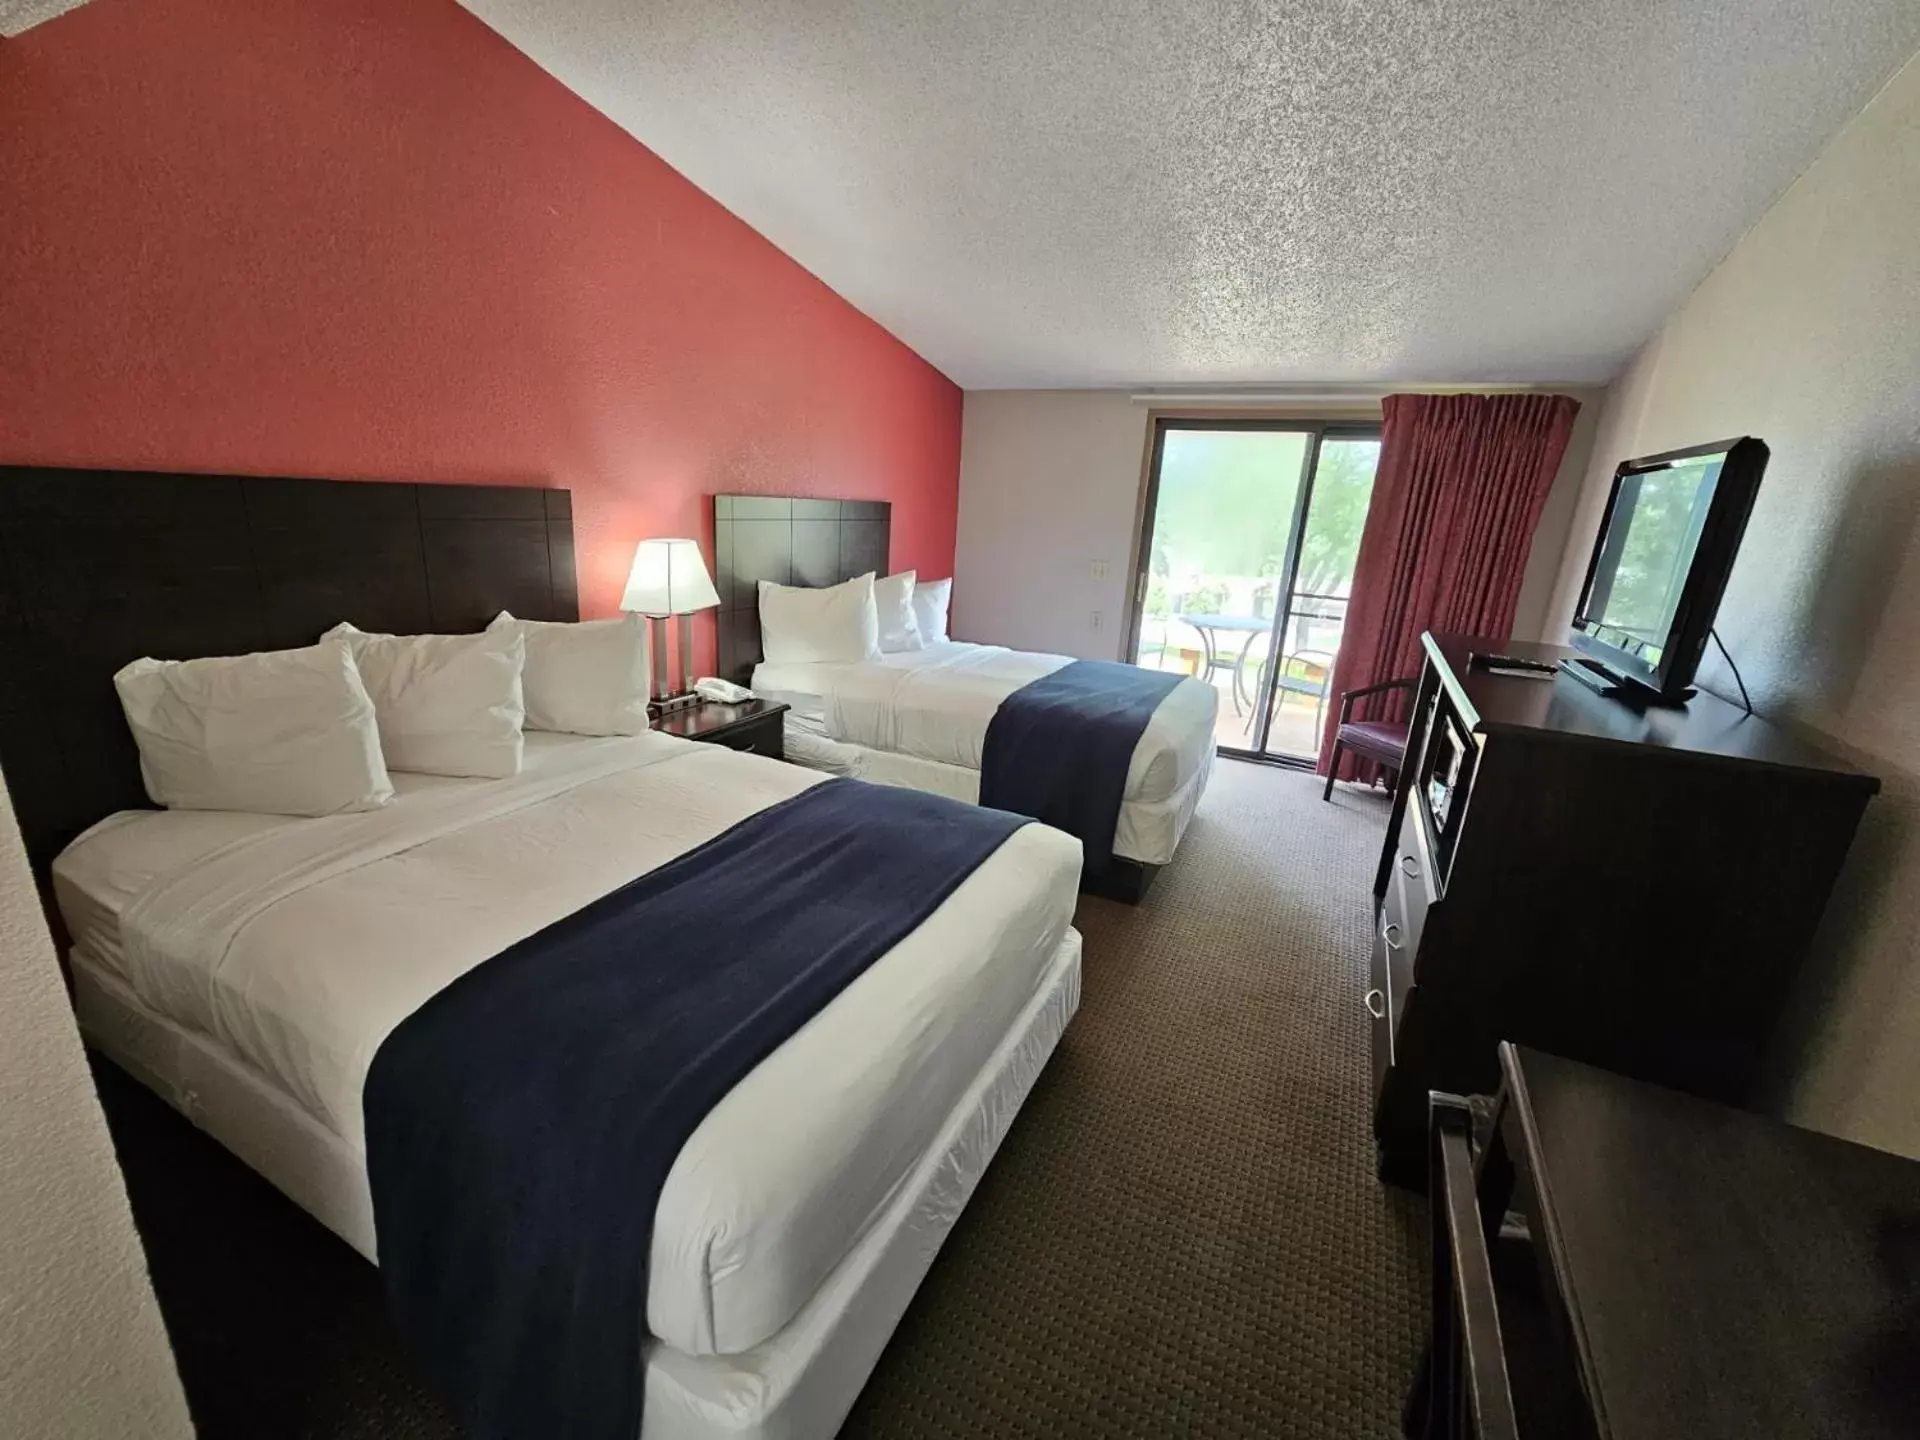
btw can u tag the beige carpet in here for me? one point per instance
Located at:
(1182, 1235)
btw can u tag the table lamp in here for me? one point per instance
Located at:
(669, 577)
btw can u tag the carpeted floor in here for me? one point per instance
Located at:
(1181, 1236)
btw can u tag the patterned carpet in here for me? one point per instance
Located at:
(1181, 1236)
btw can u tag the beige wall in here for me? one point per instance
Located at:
(1049, 481)
(82, 1350)
(1808, 335)
(1050, 489)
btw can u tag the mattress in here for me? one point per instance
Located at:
(292, 948)
(935, 704)
(799, 1384)
(1147, 831)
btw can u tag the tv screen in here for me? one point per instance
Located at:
(1659, 566)
(1647, 554)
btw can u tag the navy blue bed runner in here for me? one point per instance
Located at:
(1058, 749)
(521, 1123)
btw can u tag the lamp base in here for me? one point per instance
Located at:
(671, 703)
(686, 651)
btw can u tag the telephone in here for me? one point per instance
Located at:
(725, 691)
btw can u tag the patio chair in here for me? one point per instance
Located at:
(1291, 684)
(1382, 741)
(1314, 646)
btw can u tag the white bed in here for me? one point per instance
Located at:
(247, 968)
(919, 718)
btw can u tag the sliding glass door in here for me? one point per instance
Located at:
(1246, 566)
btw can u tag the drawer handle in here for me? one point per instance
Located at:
(1390, 933)
(1376, 1004)
(1410, 867)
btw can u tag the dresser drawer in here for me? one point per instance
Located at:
(1396, 961)
(1410, 888)
(757, 727)
(763, 738)
(1379, 1012)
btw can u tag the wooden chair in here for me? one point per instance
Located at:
(1382, 741)
(1462, 1390)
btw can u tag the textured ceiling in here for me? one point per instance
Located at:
(19, 16)
(1193, 191)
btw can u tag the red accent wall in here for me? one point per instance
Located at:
(368, 239)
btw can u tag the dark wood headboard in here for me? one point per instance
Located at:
(790, 542)
(99, 567)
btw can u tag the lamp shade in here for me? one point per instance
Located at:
(669, 578)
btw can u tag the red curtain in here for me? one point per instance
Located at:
(1461, 483)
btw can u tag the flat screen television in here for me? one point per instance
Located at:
(1654, 580)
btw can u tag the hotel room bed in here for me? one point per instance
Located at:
(920, 718)
(248, 967)
(917, 713)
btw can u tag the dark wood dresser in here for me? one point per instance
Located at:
(1635, 889)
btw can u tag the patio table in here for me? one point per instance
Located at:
(1210, 628)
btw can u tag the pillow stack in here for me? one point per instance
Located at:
(859, 619)
(315, 731)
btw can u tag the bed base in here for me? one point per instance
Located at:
(1124, 880)
(800, 1384)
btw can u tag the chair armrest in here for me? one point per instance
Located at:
(1347, 697)
(1376, 689)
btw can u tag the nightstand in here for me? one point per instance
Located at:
(753, 725)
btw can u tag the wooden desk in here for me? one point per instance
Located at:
(1703, 1273)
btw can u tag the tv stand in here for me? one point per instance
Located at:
(1633, 888)
(1602, 681)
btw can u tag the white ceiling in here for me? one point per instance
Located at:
(1133, 192)
(19, 16)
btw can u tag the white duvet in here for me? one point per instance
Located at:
(298, 945)
(935, 704)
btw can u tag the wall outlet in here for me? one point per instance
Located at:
(1096, 621)
(1098, 568)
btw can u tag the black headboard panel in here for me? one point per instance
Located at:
(99, 567)
(790, 542)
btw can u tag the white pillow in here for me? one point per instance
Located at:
(584, 678)
(800, 626)
(930, 598)
(446, 704)
(893, 601)
(284, 732)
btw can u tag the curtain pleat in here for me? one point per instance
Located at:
(1456, 498)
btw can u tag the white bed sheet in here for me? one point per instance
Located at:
(1148, 832)
(297, 946)
(935, 704)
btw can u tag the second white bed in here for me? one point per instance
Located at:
(919, 718)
